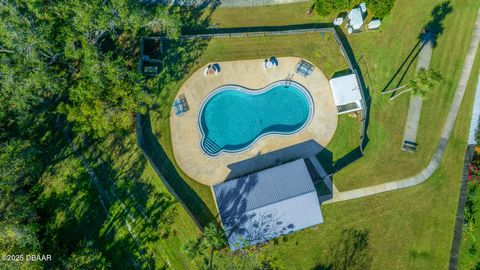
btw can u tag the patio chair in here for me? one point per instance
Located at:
(304, 68)
(177, 105)
(183, 102)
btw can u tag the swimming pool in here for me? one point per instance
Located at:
(232, 118)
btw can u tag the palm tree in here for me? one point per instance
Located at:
(214, 238)
(423, 82)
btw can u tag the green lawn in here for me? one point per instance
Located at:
(73, 207)
(388, 117)
(381, 53)
(411, 228)
(408, 229)
(288, 14)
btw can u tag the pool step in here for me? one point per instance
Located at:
(210, 146)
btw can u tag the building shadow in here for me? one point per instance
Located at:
(350, 55)
(267, 160)
(253, 29)
(169, 175)
(341, 73)
(331, 167)
(318, 160)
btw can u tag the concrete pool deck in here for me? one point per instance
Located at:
(267, 151)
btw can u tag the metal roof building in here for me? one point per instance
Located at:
(267, 204)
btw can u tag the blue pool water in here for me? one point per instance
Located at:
(232, 118)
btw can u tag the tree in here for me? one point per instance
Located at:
(28, 82)
(213, 237)
(87, 257)
(422, 83)
(105, 90)
(325, 7)
(379, 8)
(77, 58)
(268, 262)
(19, 168)
(18, 238)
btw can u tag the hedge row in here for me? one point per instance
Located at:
(379, 8)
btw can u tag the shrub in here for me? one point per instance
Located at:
(325, 7)
(379, 8)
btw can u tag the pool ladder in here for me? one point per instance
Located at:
(288, 80)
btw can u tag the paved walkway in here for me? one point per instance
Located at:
(445, 136)
(415, 108)
(475, 122)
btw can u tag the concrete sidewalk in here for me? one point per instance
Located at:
(416, 102)
(445, 136)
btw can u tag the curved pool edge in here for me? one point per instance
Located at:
(253, 91)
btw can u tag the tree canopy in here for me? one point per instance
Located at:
(78, 57)
(380, 8)
(64, 64)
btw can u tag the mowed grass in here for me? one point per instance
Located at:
(73, 207)
(411, 228)
(383, 53)
(407, 229)
(380, 54)
(287, 14)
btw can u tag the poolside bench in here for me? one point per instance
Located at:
(409, 146)
(183, 101)
(181, 105)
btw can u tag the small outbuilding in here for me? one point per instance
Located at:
(355, 17)
(347, 93)
(338, 21)
(374, 24)
(267, 204)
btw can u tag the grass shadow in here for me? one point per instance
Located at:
(155, 153)
(351, 250)
(86, 198)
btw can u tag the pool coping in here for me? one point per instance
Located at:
(254, 91)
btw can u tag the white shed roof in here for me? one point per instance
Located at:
(345, 89)
(374, 24)
(356, 18)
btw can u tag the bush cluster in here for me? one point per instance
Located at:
(379, 8)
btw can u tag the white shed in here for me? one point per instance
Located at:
(338, 21)
(356, 18)
(346, 93)
(374, 24)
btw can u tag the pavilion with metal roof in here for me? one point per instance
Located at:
(267, 204)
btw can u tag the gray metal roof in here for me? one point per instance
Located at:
(267, 204)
